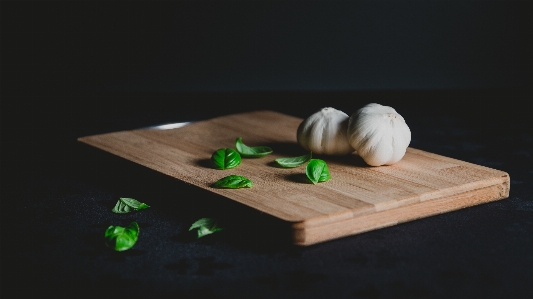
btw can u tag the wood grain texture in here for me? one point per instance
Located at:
(358, 198)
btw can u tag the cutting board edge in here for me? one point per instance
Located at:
(502, 180)
(305, 236)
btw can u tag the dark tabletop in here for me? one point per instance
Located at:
(57, 196)
(57, 193)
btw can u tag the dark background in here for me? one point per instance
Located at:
(460, 72)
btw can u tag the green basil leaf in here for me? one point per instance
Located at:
(122, 238)
(294, 161)
(317, 171)
(251, 152)
(205, 226)
(233, 182)
(201, 222)
(122, 208)
(225, 158)
(126, 205)
(143, 206)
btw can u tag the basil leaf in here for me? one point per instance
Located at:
(126, 205)
(233, 182)
(122, 238)
(225, 158)
(317, 171)
(205, 226)
(251, 152)
(122, 208)
(293, 162)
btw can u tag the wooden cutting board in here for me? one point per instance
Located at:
(358, 198)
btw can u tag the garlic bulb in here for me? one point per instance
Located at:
(379, 134)
(324, 132)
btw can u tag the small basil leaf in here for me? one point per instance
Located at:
(200, 223)
(317, 171)
(251, 152)
(233, 182)
(122, 238)
(122, 208)
(225, 158)
(294, 161)
(205, 226)
(143, 206)
(126, 205)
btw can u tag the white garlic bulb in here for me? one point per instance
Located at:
(324, 132)
(379, 134)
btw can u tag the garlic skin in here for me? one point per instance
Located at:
(379, 134)
(325, 132)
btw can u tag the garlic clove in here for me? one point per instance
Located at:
(325, 132)
(379, 134)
